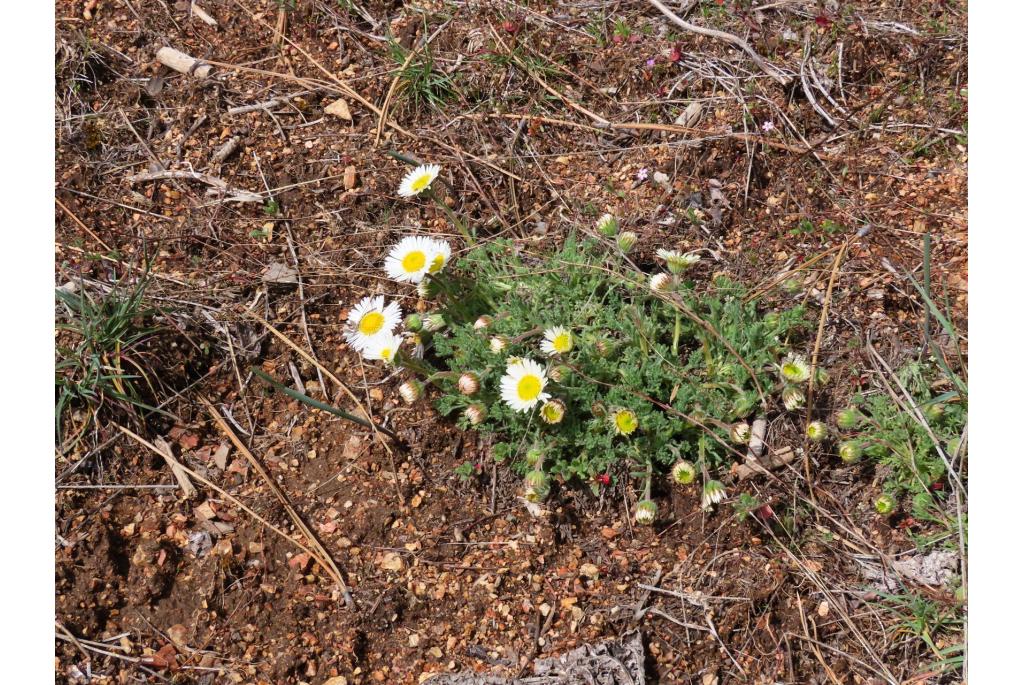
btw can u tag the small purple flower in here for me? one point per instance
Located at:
(650, 63)
(768, 126)
(642, 174)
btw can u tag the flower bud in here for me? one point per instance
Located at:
(476, 414)
(885, 504)
(559, 373)
(426, 289)
(536, 486)
(602, 347)
(740, 433)
(646, 512)
(552, 411)
(434, 322)
(661, 283)
(817, 431)
(608, 226)
(498, 344)
(678, 263)
(821, 377)
(934, 411)
(714, 492)
(794, 369)
(414, 323)
(850, 451)
(534, 456)
(848, 418)
(482, 322)
(411, 391)
(626, 241)
(793, 397)
(792, 285)
(683, 472)
(469, 383)
(599, 410)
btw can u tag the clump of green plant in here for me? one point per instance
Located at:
(420, 83)
(911, 441)
(933, 623)
(98, 352)
(580, 365)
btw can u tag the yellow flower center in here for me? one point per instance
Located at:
(421, 182)
(414, 261)
(371, 323)
(625, 421)
(562, 342)
(437, 264)
(528, 388)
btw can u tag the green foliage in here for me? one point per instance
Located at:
(97, 351)
(896, 440)
(622, 29)
(420, 84)
(623, 358)
(927, 620)
(745, 505)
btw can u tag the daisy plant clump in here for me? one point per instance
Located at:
(578, 368)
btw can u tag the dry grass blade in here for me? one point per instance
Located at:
(322, 553)
(814, 358)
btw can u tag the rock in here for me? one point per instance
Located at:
(339, 108)
(392, 562)
(178, 634)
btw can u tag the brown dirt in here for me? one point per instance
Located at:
(441, 581)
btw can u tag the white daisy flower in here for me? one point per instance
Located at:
(370, 319)
(384, 348)
(557, 340)
(410, 259)
(442, 253)
(418, 180)
(522, 386)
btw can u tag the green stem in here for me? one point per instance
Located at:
(676, 333)
(452, 217)
(306, 399)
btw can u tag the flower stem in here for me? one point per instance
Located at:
(452, 217)
(675, 334)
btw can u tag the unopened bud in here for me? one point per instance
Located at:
(817, 431)
(469, 383)
(683, 472)
(411, 391)
(740, 433)
(646, 512)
